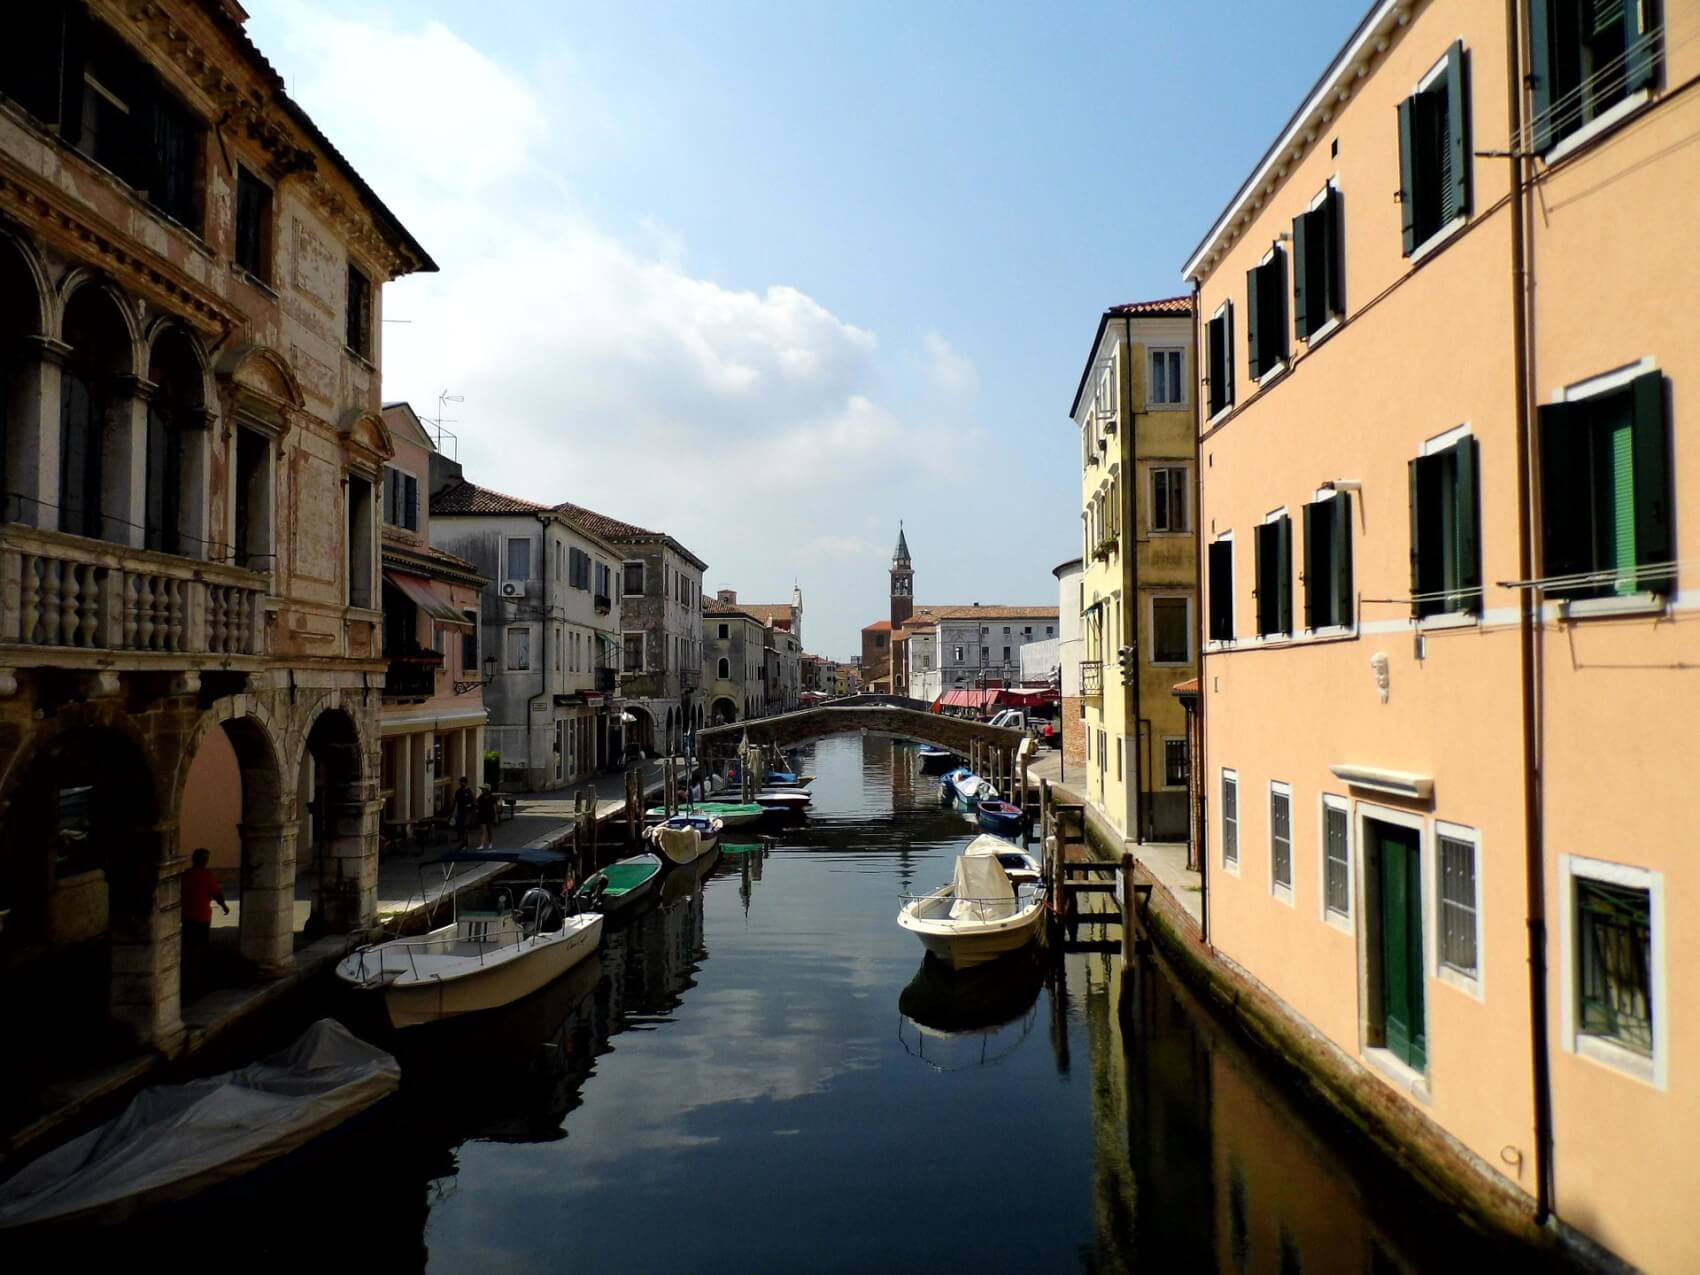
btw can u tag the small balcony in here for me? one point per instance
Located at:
(412, 676)
(61, 593)
(604, 604)
(1092, 678)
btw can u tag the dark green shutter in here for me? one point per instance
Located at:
(1652, 480)
(1284, 574)
(73, 53)
(1219, 354)
(1254, 320)
(1457, 140)
(1415, 469)
(1540, 72)
(1333, 254)
(1301, 311)
(1228, 353)
(1315, 573)
(1340, 551)
(1222, 590)
(1567, 536)
(1407, 171)
(1467, 522)
(1274, 323)
(1639, 52)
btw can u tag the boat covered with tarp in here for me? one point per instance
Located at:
(174, 1141)
(980, 914)
(619, 886)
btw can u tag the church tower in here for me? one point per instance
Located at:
(902, 582)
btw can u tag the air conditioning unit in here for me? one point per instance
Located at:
(513, 588)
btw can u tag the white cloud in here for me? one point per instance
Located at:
(952, 372)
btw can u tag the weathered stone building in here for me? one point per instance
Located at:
(190, 279)
(734, 666)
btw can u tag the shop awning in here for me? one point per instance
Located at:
(430, 597)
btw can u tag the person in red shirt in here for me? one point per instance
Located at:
(200, 890)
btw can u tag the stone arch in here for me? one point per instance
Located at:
(98, 382)
(78, 289)
(723, 709)
(640, 731)
(177, 442)
(24, 307)
(365, 436)
(262, 371)
(23, 265)
(168, 329)
(340, 817)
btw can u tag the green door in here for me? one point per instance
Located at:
(1401, 944)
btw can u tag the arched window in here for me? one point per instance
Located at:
(99, 344)
(724, 669)
(177, 379)
(19, 311)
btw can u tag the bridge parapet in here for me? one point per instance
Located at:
(856, 715)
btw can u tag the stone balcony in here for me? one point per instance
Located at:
(61, 595)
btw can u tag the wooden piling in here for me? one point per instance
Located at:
(1127, 897)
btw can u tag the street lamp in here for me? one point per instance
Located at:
(461, 688)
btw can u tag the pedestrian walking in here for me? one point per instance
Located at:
(462, 813)
(487, 818)
(199, 891)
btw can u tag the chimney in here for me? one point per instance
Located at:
(728, 596)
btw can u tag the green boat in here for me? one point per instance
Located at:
(732, 814)
(618, 886)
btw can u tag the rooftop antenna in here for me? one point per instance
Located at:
(443, 400)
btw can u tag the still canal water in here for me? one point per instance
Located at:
(760, 1075)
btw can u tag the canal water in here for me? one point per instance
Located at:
(762, 1074)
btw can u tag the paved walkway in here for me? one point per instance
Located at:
(1164, 861)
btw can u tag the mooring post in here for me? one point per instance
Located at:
(1127, 908)
(595, 830)
(631, 806)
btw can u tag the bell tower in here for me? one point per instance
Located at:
(902, 581)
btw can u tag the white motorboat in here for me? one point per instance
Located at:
(980, 915)
(970, 789)
(1021, 867)
(174, 1141)
(491, 954)
(783, 798)
(685, 838)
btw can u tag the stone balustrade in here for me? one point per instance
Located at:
(70, 593)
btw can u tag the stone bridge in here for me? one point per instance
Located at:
(989, 750)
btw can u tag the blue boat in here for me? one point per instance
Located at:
(1000, 817)
(947, 783)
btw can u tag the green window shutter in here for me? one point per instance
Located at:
(1640, 52)
(1415, 471)
(1254, 320)
(1540, 72)
(1457, 140)
(1333, 255)
(1620, 443)
(1467, 522)
(1407, 173)
(1566, 475)
(1284, 574)
(1274, 294)
(1301, 311)
(1221, 353)
(1228, 354)
(1653, 540)
(1222, 590)
(1316, 575)
(1340, 551)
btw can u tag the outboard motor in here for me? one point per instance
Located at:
(539, 911)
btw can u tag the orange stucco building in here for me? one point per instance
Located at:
(1449, 620)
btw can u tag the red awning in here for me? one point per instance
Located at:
(431, 597)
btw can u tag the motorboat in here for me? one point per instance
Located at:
(685, 838)
(732, 814)
(787, 779)
(502, 944)
(969, 789)
(783, 799)
(1021, 867)
(1000, 817)
(980, 914)
(174, 1141)
(617, 888)
(947, 783)
(935, 760)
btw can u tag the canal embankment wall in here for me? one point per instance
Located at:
(1317, 1072)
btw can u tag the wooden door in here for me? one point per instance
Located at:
(1400, 918)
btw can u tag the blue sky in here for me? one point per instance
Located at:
(771, 277)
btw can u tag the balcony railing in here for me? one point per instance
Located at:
(1091, 677)
(607, 679)
(604, 604)
(412, 676)
(74, 594)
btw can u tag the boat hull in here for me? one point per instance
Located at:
(432, 1000)
(1000, 822)
(963, 952)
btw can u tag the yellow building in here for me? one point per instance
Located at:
(1447, 684)
(1133, 408)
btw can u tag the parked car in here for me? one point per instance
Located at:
(1046, 730)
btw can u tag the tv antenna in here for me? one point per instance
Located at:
(443, 400)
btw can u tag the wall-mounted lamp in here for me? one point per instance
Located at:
(1342, 484)
(461, 688)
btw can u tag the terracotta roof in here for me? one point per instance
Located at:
(1188, 687)
(976, 612)
(768, 612)
(469, 498)
(713, 606)
(878, 624)
(392, 542)
(612, 529)
(1168, 305)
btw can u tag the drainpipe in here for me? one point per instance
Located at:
(1528, 615)
(543, 662)
(1131, 536)
(1200, 778)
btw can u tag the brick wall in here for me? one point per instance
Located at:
(1074, 730)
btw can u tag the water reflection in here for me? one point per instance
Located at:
(952, 1019)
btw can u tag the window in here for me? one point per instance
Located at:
(1275, 576)
(724, 669)
(1221, 567)
(1614, 942)
(603, 585)
(1168, 499)
(1458, 903)
(359, 543)
(1319, 285)
(1167, 387)
(1174, 761)
(1328, 562)
(401, 499)
(1230, 818)
(957, 659)
(1171, 630)
(253, 224)
(253, 512)
(1605, 492)
(519, 649)
(1434, 152)
(469, 643)
(1006, 655)
(519, 559)
(1266, 313)
(1587, 57)
(1219, 342)
(578, 569)
(633, 653)
(1050, 631)
(1336, 859)
(725, 632)
(1281, 838)
(1446, 560)
(634, 580)
(1006, 630)
(359, 336)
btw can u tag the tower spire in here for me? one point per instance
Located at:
(902, 580)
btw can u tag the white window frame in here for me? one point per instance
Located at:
(1340, 921)
(507, 556)
(1333, 321)
(507, 651)
(1283, 892)
(1222, 644)
(1471, 983)
(1227, 363)
(1281, 365)
(1159, 467)
(1151, 629)
(1229, 776)
(1152, 402)
(1441, 233)
(1655, 1070)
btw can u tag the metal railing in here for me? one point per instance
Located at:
(412, 676)
(1091, 677)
